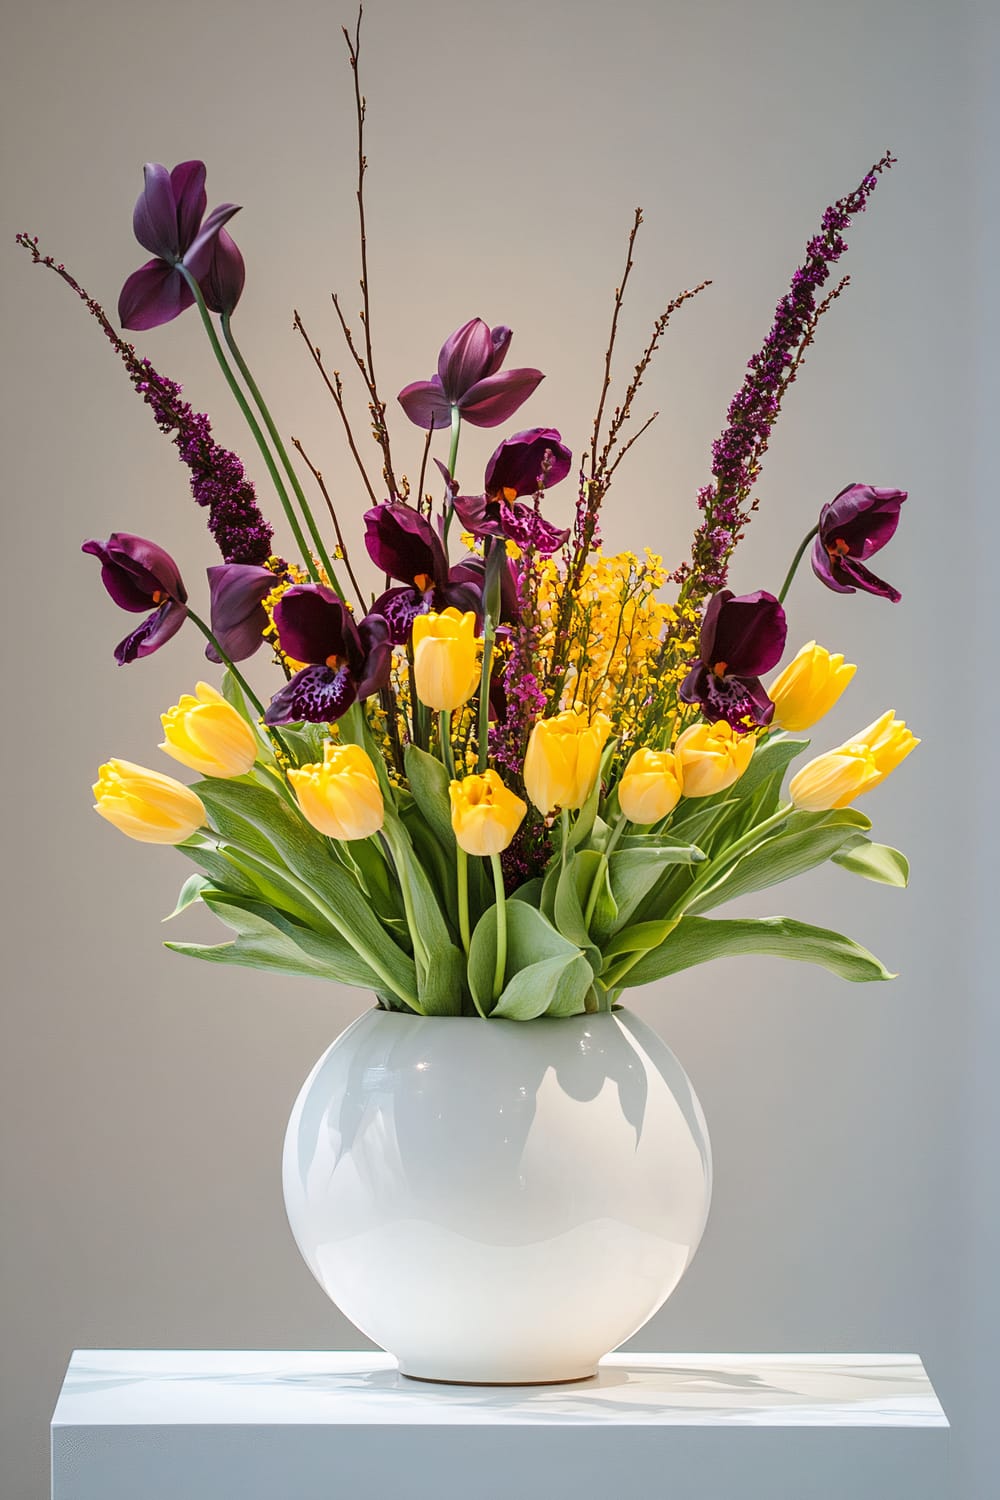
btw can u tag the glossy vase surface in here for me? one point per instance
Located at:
(497, 1201)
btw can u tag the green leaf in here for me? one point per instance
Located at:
(441, 983)
(804, 841)
(696, 940)
(634, 872)
(873, 861)
(282, 839)
(580, 829)
(429, 783)
(572, 890)
(265, 939)
(530, 939)
(556, 986)
(639, 938)
(190, 893)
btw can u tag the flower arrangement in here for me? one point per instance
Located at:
(520, 778)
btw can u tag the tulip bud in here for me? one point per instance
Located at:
(445, 658)
(650, 787)
(836, 778)
(808, 687)
(147, 806)
(710, 757)
(207, 734)
(485, 814)
(341, 797)
(563, 759)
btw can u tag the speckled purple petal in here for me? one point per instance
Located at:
(425, 404)
(523, 525)
(316, 695)
(517, 463)
(399, 608)
(496, 398)
(734, 699)
(153, 633)
(153, 295)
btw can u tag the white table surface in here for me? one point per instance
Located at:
(207, 1425)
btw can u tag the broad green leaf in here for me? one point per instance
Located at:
(639, 938)
(696, 940)
(441, 984)
(556, 985)
(273, 888)
(572, 890)
(442, 987)
(804, 841)
(429, 783)
(530, 891)
(285, 841)
(874, 861)
(530, 938)
(634, 873)
(190, 893)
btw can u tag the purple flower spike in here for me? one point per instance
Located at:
(239, 619)
(858, 522)
(518, 467)
(345, 662)
(139, 575)
(741, 637)
(406, 546)
(469, 379)
(168, 220)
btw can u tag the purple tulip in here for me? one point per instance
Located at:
(222, 284)
(518, 468)
(741, 637)
(168, 221)
(858, 522)
(239, 619)
(139, 576)
(406, 546)
(346, 662)
(469, 378)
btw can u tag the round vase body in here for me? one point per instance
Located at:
(497, 1201)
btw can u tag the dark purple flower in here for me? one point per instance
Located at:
(741, 637)
(239, 619)
(406, 546)
(346, 662)
(222, 284)
(858, 522)
(518, 467)
(139, 576)
(168, 221)
(469, 378)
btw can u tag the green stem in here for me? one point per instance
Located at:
(599, 873)
(419, 948)
(564, 824)
(715, 868)
(463, 898)
(483, 728)
(501, 967)
(795, 562)
(282, 452)
(444, 735)
(456, 427)
(247, 689)
(252, 423)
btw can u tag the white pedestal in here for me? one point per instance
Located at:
(237, 1425)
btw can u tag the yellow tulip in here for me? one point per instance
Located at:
(710, 757)
(147, 806)
(445, 658)
(563, 759)
(808, 687)
(342, 796)
(836, 778)
(485, 814)
(207, 734)
(650, 786)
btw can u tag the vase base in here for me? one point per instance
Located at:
(451, 1380)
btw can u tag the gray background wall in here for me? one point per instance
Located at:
(144, 1097)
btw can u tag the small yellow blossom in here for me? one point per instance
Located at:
(342, 797)
(146, 805)
(650, 787)
(206, 733)
(485, 814)
(711, 757)
(808, 687)
(563, 759)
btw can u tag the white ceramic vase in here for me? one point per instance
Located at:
(497, 1201)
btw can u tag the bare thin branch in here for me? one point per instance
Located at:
(335, 387)
(318, 476)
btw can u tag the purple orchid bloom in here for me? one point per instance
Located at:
(856, 523)
(168, 221)
(239, 619)
(405, 545)
(518, 467)
(469, 378)
(139, 576)
(741, 637)
(346, 663)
